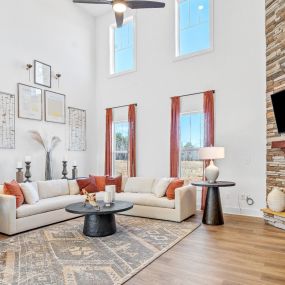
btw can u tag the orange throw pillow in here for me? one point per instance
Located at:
(170, 191)
(89, 184)
(14, 189)
(117, 181)
(100, 182)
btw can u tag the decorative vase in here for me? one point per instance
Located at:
(276, 200)
(48, 169)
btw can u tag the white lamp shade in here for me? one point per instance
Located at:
(209, 153)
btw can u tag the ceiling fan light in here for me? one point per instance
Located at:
(119, 7)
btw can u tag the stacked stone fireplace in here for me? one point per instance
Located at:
(275, 63)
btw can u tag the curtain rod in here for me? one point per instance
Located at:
(122, 106)
(196, 93)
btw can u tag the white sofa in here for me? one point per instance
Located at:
(57, 194)
(140, 191)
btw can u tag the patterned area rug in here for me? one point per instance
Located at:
(61, 254)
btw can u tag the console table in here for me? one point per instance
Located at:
(213, 213)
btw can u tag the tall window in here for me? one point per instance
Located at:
(191, 139)
(193, 26)
(122, 47)
(120, 148)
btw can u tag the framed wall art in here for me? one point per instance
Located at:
(77, 129)
(54, 107)
(7, 121)
(29, 102)
(42, 74)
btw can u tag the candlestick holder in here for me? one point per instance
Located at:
(74, 172)
(64, 171)
(28, 174)
(20, 175)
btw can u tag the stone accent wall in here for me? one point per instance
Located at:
(275, 38)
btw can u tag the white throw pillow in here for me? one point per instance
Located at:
(30, 192)
(160, 187)
(73, 187)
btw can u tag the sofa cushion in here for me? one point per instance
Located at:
(73, 187)
(30, 191)
(139, 185)
(144, 199)
(170, 192)
(117, 181)
(160, 186)
(88, 184)
(14, 189)
(47, 205)
(53, 188)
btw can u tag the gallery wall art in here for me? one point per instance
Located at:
(29, 102)
(54, 107)
(7, 121)
(77, 129)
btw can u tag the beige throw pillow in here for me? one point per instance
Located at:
(30, 193)
(160, 187)
(73, 187)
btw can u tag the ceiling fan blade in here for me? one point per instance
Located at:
(119, 19)
(144, 4)
(92, 1)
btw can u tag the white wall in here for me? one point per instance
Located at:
(235, 69)
(58, 33)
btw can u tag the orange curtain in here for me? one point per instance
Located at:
(108, 142)
(209, 132)
(174, 136)
(132, 140)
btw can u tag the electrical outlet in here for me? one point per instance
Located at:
(243, 197)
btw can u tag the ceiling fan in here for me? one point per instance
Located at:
(120, 6)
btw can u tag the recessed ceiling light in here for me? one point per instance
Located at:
(200, 7)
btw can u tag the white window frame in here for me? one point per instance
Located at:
(180, 150)
(112, 48)
(113, 146)
(177, 34)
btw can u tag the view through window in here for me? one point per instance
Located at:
(191, 139)
(120, 148)
(193, 26)
(122, 49)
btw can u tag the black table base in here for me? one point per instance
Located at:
(213, 213)
(99, 225)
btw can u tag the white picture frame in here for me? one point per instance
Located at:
(55, 107)
(29, 102)
(42, 74)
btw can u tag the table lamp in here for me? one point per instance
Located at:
(211, 153)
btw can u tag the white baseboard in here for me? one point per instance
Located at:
(243, 212)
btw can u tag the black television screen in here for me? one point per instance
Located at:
(278, 102)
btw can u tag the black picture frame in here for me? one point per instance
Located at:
(45, 107)
(36, 63)
(19, 102)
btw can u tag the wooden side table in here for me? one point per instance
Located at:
(213, 213)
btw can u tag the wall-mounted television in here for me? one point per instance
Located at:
(278, 102)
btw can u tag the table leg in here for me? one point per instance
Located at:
(213, 213)
(99, 225)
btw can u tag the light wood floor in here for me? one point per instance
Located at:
(243, 251)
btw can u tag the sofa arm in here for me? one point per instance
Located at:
(185, 201)
(7, 214)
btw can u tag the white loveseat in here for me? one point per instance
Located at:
(57, 194)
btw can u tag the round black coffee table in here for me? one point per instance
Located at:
(213, 213)
(99, 222)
